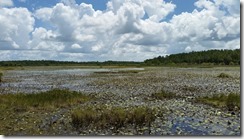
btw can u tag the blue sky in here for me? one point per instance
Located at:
(182, 5)
(30, 4)
(127, 30)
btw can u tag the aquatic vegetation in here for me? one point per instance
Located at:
(164, 95)
(231, 101)
(119, 72)
(104, 117)
(224, 75)
(56, 98)
(119, 104)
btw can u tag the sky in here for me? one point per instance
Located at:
(119, 30)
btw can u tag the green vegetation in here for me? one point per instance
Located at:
(224, 75)
(104, 117)
(231, 101)
(53, 98)
(23, 112)
(119, 72)
(205, 58)
(67, 63)
(1, 75)
(164, 95)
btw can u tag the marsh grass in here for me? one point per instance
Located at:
(119, 72)
(164, 95)
(116, 117)
(1, 75)
(231, 101)
(224, 75)
(52, 98)
(23, 112)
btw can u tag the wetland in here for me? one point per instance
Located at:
(160, 101)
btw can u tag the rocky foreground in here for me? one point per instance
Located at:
(181, 115)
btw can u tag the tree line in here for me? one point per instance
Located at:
(209, 57)
(66, 63)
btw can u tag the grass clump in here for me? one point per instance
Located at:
(231, 101)
(129, 71)
(164, 95)
(29, 110)
(116, 117)
(52, 98)
(224, 75)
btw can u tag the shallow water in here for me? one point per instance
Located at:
(29, 81)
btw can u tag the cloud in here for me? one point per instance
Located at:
(15, 24)
(6, 3)
(43, 13)
(127, 30)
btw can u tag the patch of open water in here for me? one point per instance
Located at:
(29, 81)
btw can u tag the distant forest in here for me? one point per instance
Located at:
(210, 57)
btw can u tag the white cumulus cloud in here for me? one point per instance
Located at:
(6, 3)
(127, 30)
(15, 24)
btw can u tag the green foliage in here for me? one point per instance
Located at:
(230, 101)
(224, 75)
(117, 117)
(67, 63)
(205, 58)
(217, 57)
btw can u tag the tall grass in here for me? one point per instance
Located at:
(53, 98)
(231, 101)
(117, 117)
